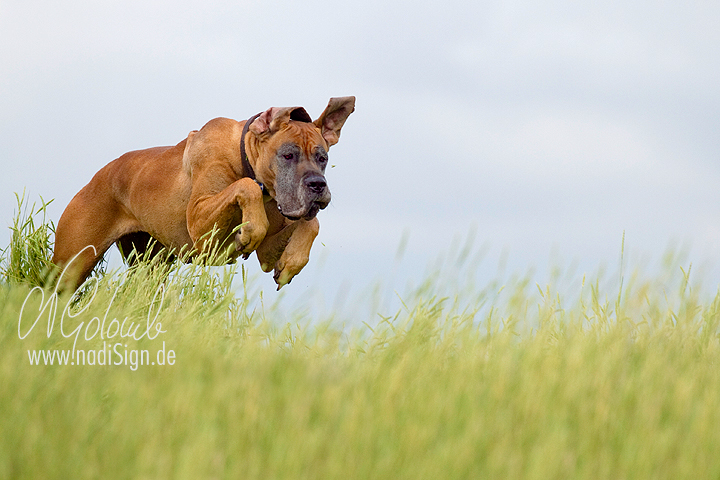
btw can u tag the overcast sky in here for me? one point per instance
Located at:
(548, 128)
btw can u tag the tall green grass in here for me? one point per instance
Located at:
(519, 381)
(27, 258)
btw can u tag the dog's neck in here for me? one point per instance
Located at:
(247, 168)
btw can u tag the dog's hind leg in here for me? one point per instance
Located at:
(90, 224)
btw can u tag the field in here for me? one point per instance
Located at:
(497, 381)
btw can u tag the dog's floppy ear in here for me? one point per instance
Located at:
(273, 119)
(333, 118)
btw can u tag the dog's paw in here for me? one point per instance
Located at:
(287, 267)
(282, 276)
(249, 237)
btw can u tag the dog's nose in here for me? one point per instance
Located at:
(316, 184)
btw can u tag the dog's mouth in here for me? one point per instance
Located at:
(311, 213)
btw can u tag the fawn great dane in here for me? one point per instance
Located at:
(265, 174)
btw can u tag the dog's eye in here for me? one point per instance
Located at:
(288, 156)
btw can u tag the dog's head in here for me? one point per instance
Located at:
(291, 154)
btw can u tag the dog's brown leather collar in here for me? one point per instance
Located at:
(247, 168)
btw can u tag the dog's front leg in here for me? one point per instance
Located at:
(288, 250)
(242, 198)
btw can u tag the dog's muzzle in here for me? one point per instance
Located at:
(316, 195)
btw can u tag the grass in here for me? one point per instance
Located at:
(27, 258)
(504, 381)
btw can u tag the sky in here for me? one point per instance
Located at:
(543, 131)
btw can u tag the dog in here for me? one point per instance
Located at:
(266, 175)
